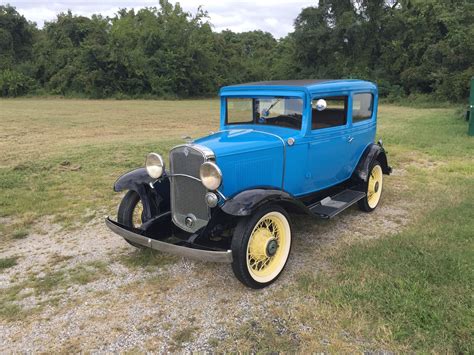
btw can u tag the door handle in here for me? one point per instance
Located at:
(350, 139)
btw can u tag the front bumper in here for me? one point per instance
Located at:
(191, 252)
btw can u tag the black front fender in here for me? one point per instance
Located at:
(130, 180)
(372, 152)
(246, 202)
(154, 194)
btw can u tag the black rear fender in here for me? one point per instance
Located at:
(371, 153)
(154, 194)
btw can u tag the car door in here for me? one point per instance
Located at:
(328, 153)
(362, 125)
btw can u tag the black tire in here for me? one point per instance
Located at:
(240, 245)
(126, 211)
(364, 204)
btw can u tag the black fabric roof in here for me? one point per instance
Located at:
(307, 82)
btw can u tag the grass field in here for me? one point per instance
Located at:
(409, 290)
(67, 153)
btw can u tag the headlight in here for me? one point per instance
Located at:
(155, 166)
(211, 176)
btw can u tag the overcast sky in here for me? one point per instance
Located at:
(275, 16)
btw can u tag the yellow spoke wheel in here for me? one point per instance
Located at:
(137, 215)
(374, 187)
(261, 246)
(130, 212)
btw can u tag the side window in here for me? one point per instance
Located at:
(362, 107)
(329, 112)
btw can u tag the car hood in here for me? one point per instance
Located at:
(247, 158)
(237, 141)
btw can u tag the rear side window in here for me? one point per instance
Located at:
(329, 112)
(362, 107)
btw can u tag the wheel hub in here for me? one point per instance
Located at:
(260, 241)
(264, 243)
(376, 187)
(272, 247)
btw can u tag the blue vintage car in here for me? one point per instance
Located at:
(303, 146)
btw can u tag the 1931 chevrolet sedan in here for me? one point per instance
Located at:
(283, 147)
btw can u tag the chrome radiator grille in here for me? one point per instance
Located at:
(187, 191)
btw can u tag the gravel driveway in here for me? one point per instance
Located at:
(80, 291)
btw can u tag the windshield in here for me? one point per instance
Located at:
(274, 111)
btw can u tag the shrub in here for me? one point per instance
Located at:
(13, 83)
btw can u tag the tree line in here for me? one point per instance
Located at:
(409, 47)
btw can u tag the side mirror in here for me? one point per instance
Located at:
(321, 105)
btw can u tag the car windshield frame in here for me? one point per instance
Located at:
(277, 111)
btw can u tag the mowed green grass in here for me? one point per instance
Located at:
(417, 284)
(60, 158)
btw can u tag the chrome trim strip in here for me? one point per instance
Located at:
(184, 175)
(284, 154)
(207, 153)
(191, 253)
(221, 195)
(217, 132)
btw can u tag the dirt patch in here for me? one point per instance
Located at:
(181, 305)
(6, 220)
(54, 248)
(421, 161)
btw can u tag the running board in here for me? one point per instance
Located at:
(332, 206)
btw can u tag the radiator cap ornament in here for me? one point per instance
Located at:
(188, 139)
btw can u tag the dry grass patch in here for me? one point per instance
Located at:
(6, 263)
(57, 259)
(183, 336)
(43, 127)
(147, 259)
(45, 287)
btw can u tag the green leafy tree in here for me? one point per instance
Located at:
(16, 37)
(408, 47)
